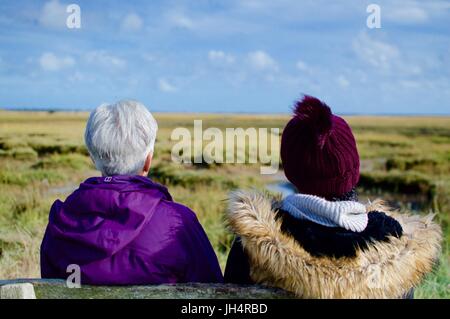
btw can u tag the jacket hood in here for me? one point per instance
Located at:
(383, 270)
(103, 215)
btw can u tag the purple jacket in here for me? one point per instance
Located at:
(125, 230)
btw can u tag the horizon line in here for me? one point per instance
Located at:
(80, 110)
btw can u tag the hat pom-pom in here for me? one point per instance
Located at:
(315, 113)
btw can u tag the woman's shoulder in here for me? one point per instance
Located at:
(176, 216)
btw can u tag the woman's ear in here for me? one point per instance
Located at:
(147, 164)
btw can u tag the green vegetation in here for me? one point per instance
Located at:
(42, 158)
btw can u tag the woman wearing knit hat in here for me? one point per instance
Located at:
(321, 242)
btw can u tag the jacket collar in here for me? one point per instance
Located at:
(125, 182)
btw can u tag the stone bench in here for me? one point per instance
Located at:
(57, 289)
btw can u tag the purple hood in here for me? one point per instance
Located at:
(126, 230)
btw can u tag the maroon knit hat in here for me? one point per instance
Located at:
(318, 151)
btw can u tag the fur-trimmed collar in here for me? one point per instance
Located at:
(383, 270)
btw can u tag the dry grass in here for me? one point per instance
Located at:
(42, 156)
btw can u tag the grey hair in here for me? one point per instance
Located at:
(120, 136)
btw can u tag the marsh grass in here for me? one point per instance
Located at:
(42, 156)
(436, 284)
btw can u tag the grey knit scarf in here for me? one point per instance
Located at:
(348, 214)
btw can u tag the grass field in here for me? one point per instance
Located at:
(42, 157)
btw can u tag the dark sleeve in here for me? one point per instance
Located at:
(237, 270)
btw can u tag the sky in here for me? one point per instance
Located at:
(227, 56)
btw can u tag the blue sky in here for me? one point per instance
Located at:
(227, 56)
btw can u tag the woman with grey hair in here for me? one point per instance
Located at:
(122, 228)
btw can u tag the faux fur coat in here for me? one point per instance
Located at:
(383, 269)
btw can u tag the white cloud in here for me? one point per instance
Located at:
(301, 65)
(342, 81)
(53, 15)
(180, 20)
(436, 7)
(220, 57)
(132, 22)
(260, 60)
(407, 13)
(50, 62)
(165, 86)
(105, 59)
(375, 52)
